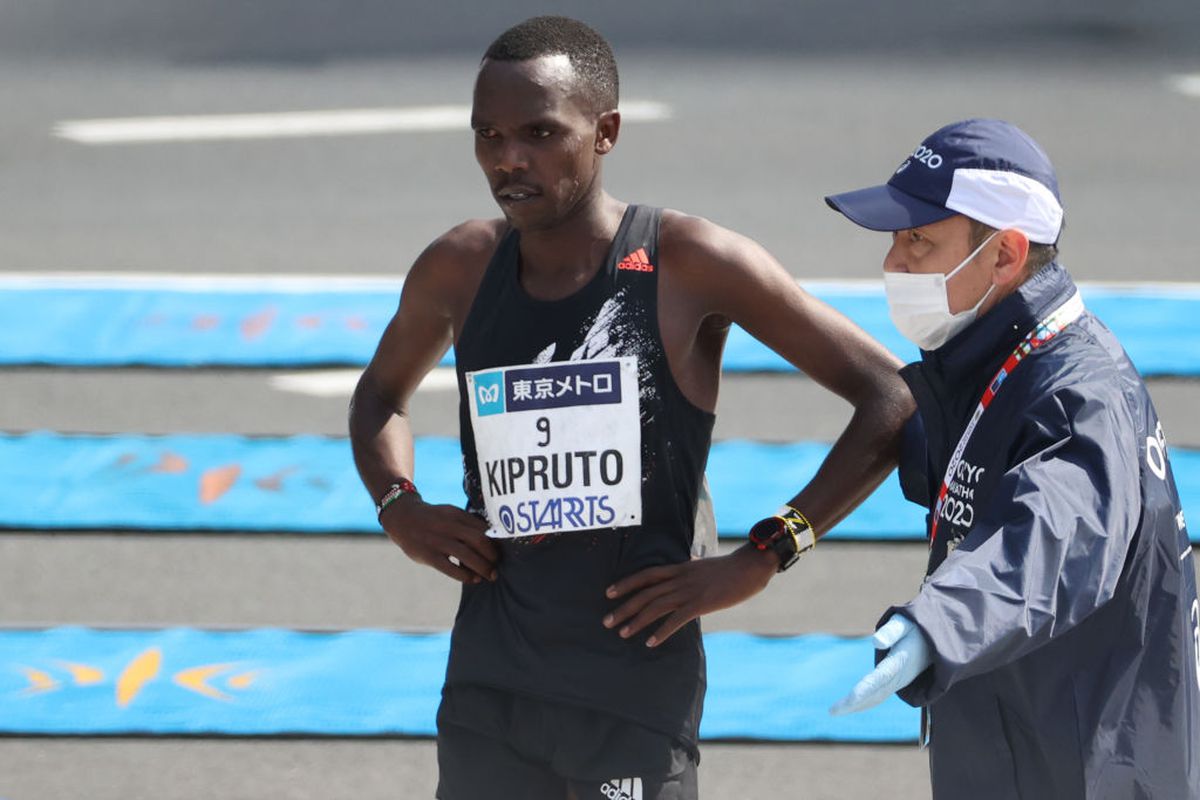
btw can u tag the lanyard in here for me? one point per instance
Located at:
(1043, 332)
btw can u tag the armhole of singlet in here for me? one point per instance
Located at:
(490, 284)
(657, 327)
(704, 540)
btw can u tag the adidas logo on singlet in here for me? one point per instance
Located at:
(637, 261)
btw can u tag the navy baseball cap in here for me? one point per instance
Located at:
(986, 169)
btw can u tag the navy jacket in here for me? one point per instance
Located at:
(1060, 599)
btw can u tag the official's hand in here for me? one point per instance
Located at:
(443, 537)
(907, 658)
(682, 592)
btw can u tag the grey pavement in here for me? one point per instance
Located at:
(774, 105)
(334, 583)
(764, 407)
(299, 33)
(172, 769)
(755, 142)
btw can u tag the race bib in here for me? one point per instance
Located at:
(559, 446)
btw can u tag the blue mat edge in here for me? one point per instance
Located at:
(713, 641)
(1188, 489)
(759, 360)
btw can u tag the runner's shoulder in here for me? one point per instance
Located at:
(689, 243)
(466, 244)
(459, 256)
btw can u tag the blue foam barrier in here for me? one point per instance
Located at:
(251, 324)
(308, 484)
(180, 681)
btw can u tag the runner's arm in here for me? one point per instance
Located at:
(444, 537)
(734, 278)
(717, 274)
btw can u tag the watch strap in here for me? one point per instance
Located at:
(788, 534)
(801, 528)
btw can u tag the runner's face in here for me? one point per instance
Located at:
(536, 139)
(940, 247)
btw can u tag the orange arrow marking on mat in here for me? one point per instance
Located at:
(194, 680)
(243, 681)
(216, 482)
(39, 681)
(205, 322)
(274, 482)
(140, 671)
(256, 325)
(171, 464)
(83, 674)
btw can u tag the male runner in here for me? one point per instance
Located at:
(588, 337)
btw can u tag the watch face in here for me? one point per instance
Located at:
(766, 530)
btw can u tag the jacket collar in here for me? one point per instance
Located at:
(994, 335)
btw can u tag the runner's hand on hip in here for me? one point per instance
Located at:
(682, 592)
(443, 537)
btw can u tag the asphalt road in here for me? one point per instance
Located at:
(756, 137)
(754, 143)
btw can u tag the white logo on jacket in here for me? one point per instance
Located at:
(958, 508)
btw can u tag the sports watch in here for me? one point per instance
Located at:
(788, 534)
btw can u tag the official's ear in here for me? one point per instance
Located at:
(608, 127)
(1012, 253)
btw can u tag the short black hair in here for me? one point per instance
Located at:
(1040, 255)
(590, 54)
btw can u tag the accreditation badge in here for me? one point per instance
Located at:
(559, 446)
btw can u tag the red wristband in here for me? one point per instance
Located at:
(401, 487)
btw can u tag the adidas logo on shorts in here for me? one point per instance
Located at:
(622, 789)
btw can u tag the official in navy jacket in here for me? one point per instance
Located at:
(1054, 643)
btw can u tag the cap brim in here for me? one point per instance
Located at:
(885, 208)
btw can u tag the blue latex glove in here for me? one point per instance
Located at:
(908, 657)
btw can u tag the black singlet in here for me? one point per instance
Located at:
(537, 630)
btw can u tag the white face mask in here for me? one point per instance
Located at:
(920, 307)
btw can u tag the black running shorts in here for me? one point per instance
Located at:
(495, 744)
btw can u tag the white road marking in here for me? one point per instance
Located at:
(202, 282)
(1186, 84)
(341, 382)
(345, 122)
(317, 284)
